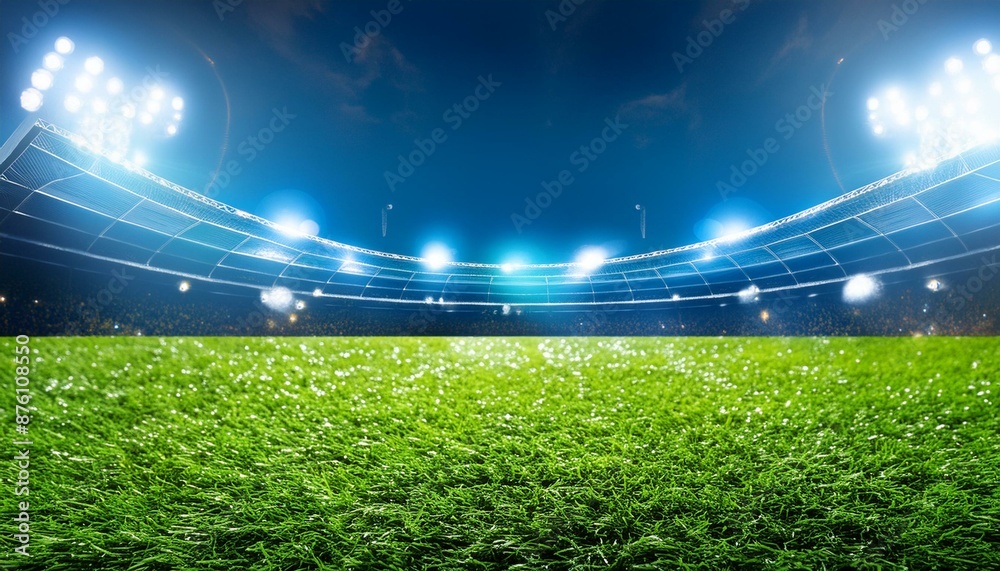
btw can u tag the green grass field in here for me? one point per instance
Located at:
(498, 453)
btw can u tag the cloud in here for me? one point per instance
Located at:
(799, 40)
(377, 62)
(657, 110)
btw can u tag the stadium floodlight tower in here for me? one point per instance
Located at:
(104, 113)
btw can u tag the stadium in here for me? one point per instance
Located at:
(199, 384)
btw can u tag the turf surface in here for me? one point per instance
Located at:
(497, 453)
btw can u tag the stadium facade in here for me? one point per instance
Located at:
(71, 204)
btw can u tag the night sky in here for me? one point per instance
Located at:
(661, 119)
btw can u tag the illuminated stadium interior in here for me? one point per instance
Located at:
(57, 193)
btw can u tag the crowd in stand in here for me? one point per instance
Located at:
(145, 309)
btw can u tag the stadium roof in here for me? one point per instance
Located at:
(61, 195)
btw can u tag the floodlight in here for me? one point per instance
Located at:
(64, 45)
(317, 292)
(84, 83)
(590, 259)
(507, 268)
(177, 116)
(183, 286)
(171, 130)
(749, 295)
(873, 104)
(436, 256)
(31, 99)
(935, 285)
(982, 47)
(42, 79)
(115, 86)
(157, 93)
(277, 298)
(878, 129)
(300, 305)
(954, 66)
(94, 65)
(52, 61)
(177, 103)
(73, 103)
(860, 289)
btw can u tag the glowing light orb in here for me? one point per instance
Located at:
(309, 227)
(992, 64)
(99, 106)
(73, 103)
(982, 47)
(750, 294)
(115, 86)
(183, 286)
(64, 45)
(590, 259)
(145, 118)
(954, 66)
(52, 61)
(157, 93)
(93, 65)
(935, 285)
(31, 99)
(42, 79)
(177, 103)
(84, 83)
(300, 305)
(277, 298)
(317, 292)
(507, 267)
(436, 256)
(860, 289)
(171, 130)
(873, 104)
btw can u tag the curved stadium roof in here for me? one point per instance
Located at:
(61, 196)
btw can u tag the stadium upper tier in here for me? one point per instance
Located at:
(63, 196)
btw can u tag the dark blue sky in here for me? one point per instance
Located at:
(550, 91)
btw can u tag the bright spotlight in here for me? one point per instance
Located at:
(277, 298)
(73, 103)
(52, 61)
(183, 286)
(31, 99)
(878, 130)
(64, 45)
(157, 93)
(84, 83)
(94, 65)
(873, 104)
(954, 66)
(42, 79)
(860, 289)
(115, 86)
(590, 259)
(171, 130)
(436, 256)
(300, 305)
(507, 268)
(177, 103)
(935, 285)
(750, 294)
(983, 47)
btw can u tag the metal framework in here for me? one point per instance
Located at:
(59, 194)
